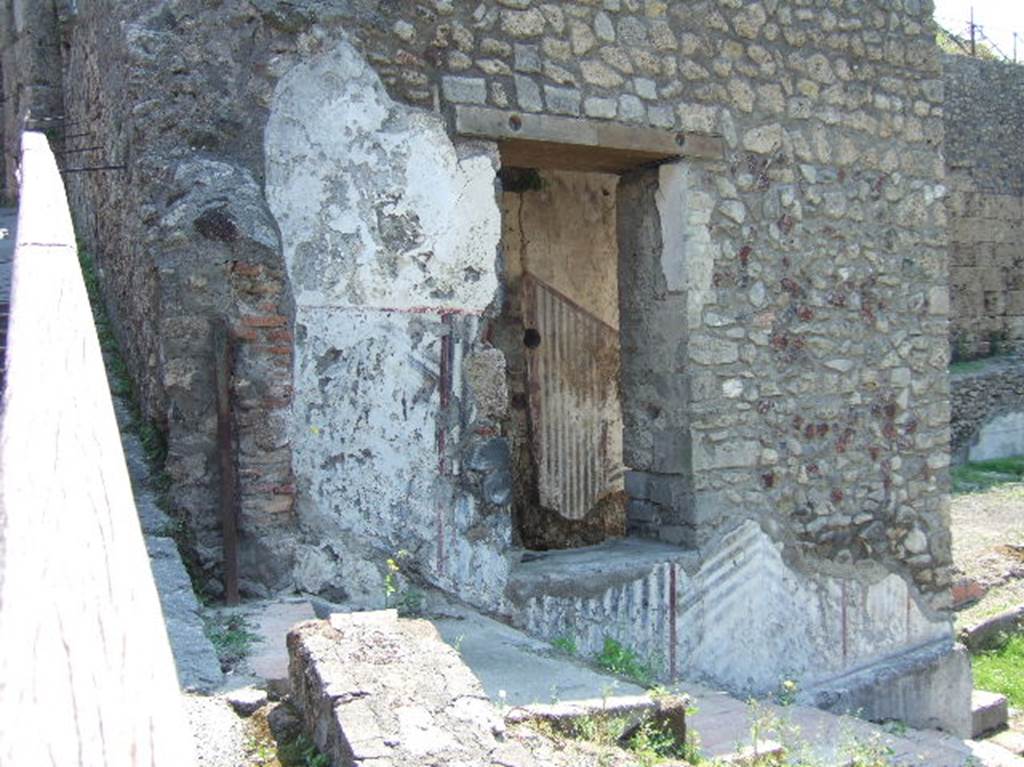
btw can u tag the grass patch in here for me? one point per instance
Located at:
(980, 476)
(295, 749)
(301, 752)
(1002, 669)
(232, 637)
(648, 742)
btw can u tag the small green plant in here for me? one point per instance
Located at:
(405, 599)
(566, 644)
(870, 752)
(895, 727)
(301, 752)
(786, 695)
(653, 742)
(231, 636)
(625, 661)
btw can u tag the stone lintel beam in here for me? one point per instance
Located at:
(572, 143)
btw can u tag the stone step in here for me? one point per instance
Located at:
(1010, 740)
(989, 712)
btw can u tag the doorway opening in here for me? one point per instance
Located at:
(560, 332)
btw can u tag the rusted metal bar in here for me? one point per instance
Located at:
(96, 167)
(222, 362)
(79, 149)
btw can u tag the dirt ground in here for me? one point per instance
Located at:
(988, 548)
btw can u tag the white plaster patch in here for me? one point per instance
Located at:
(670, 199)
(366, 449)
(374, 205)
(1002, 437)
(365, 439)
(793, 625)
(688, 254)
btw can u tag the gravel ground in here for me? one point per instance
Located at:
(222, 737)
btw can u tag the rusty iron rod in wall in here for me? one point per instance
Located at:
(222, 362)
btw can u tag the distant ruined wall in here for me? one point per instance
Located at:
(984, 151)
(30, 65)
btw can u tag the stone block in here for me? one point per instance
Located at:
(989, 712)
(562, 101)
(526, 58)
(641, 512)
(671, 451)
(373, 687)
(464, 90)
(600, 107)
(528, 94)
(928, 688)
(247, 700)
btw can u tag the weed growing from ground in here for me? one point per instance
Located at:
(301, 752)
(871, 752)
(231, 636)
(625, 661)
(653, 742)
(566, 644)
(407, 600)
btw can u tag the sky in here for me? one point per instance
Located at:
(999, 19)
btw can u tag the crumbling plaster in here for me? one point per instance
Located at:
(390, 235)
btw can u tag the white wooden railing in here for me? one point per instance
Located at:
(86, 672)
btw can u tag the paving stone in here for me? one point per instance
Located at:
(247, 700)
(269, 656)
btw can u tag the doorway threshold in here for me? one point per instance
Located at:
(591, 570)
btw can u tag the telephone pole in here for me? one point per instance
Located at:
(973, 49)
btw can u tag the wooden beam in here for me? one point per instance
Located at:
(571, 143)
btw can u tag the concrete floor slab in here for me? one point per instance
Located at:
(269, 658)
(526, 670)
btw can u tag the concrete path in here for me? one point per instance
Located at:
(725, 723)
(516, 670)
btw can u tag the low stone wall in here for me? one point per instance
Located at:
(88, 676)
(373, 688)
(991, 390)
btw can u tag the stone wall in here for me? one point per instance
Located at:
(993, 390)
(291, 168)
(984, 121)
(183, 237)
(30, 65)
